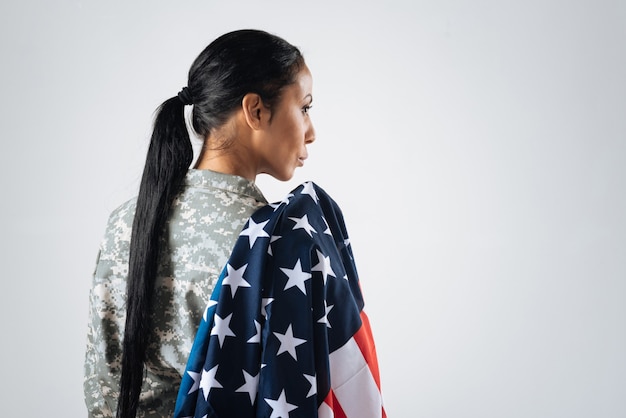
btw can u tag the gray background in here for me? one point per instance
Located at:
(476, 148)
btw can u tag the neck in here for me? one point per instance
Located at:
(228, 149)
(228, 161)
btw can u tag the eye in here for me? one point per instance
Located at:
(306, 109)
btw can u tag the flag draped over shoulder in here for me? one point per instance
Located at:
(285, 334)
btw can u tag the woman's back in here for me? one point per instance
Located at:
(204, 222)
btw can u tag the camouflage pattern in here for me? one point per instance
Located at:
(203, 227)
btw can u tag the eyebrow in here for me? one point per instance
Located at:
(310, 96)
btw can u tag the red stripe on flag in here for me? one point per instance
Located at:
(365, 340)
(334, 405)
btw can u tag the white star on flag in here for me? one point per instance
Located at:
(256, 338)
(297, 277)
(288, 343)
(285, 201)
(327, 230)
(196, 381)
(303, 223)
(313, 382)
(254, 231)
(280, 407)
(251, 385)
(211, 303)
(324, 319)
(221, 328)
(272, 239)
(323, 266)
(234, 278)
(264, 303)
(208, 381)
(308, 189)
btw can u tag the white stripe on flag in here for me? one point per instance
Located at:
(324, 411)
(353, 383)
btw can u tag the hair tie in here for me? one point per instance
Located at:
(185, 96)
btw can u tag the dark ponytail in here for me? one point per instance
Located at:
(237, 63)
(169, 156)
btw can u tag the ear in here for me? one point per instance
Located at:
(254, 110)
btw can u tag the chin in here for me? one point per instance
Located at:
(285, 176)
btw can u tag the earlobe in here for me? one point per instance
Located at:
(253, 110)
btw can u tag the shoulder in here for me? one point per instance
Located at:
(116, 240)
(309, 197)
(121, 220)
(307, 211)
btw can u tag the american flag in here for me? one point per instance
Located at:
(285, 334)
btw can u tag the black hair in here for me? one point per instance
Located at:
(233, 65)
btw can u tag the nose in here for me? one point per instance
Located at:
(309, 135)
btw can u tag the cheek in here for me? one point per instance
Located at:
(293, 132)
(299, 127)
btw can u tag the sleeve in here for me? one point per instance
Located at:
(106, 320)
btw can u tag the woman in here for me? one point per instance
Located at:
(290, 335)
(251, 93)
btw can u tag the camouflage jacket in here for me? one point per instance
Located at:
(204, 224)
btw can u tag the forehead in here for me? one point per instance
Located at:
(302, 85)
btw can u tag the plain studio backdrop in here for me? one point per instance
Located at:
(477, 149)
